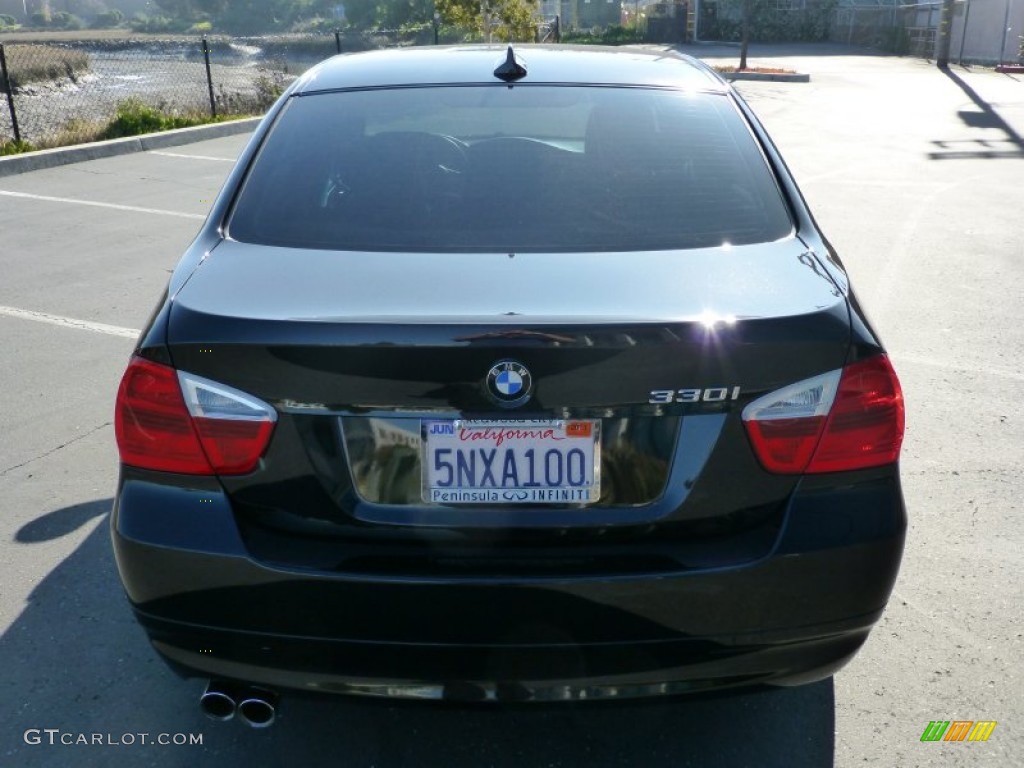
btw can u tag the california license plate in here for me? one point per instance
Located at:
(555, 461)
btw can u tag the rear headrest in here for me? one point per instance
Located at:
(630, 141)
(613, 132)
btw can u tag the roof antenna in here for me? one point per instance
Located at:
(510, 69)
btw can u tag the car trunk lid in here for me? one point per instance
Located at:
(356, 351)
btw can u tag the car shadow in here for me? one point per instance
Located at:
(61, 522)
(75, 661)
(1012, 146)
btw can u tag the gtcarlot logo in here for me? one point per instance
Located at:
(958, 730)
(55, 736)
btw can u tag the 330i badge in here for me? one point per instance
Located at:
(644, 441)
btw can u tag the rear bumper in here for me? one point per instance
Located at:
(794, 616)
(494, 673)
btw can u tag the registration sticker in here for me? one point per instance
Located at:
(555, 461)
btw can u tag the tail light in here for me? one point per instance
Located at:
(846, 419)
(174, 421)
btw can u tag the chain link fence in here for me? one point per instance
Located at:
(58, 93)
(908, 29)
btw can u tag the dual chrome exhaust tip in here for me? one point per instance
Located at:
(256, 707)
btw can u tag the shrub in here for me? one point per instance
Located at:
(108, 19)
(135, 117)
(8, 22)
(40, 18)
(65, 20)
(612, 35)
(74, 131)
(895, 40)
(201, 27)
(269, 88)
(810, 23)
(319, 24)
(157, 24)
(43, 63)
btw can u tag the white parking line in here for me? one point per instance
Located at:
(190, 157)
(976, 368)
(70, 322)
(114, 206)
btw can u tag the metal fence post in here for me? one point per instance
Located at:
(10, 93)
(337, 40)
(963, 37)
(945, 35)
(209, 79)
(1006, 33)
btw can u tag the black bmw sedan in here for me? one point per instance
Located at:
(507, 375)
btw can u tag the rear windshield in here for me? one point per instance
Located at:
(498, 168)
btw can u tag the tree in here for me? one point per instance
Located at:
(393, 14)
(178, 9)
(212, 8)
(256, 16)
(504, 20)
(945, 35)
(748, 11)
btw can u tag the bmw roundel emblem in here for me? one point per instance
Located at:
(509, 383)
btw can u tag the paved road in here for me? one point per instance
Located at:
(915, 175)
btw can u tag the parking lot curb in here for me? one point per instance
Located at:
(51, 158)
(774, 77)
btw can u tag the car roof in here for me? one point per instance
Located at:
(476, 64)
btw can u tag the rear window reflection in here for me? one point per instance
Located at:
(493, 168)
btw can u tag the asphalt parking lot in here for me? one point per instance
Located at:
(915, 174)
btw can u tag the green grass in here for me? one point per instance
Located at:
(134, 117)
(612, 35)
(15, 147)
